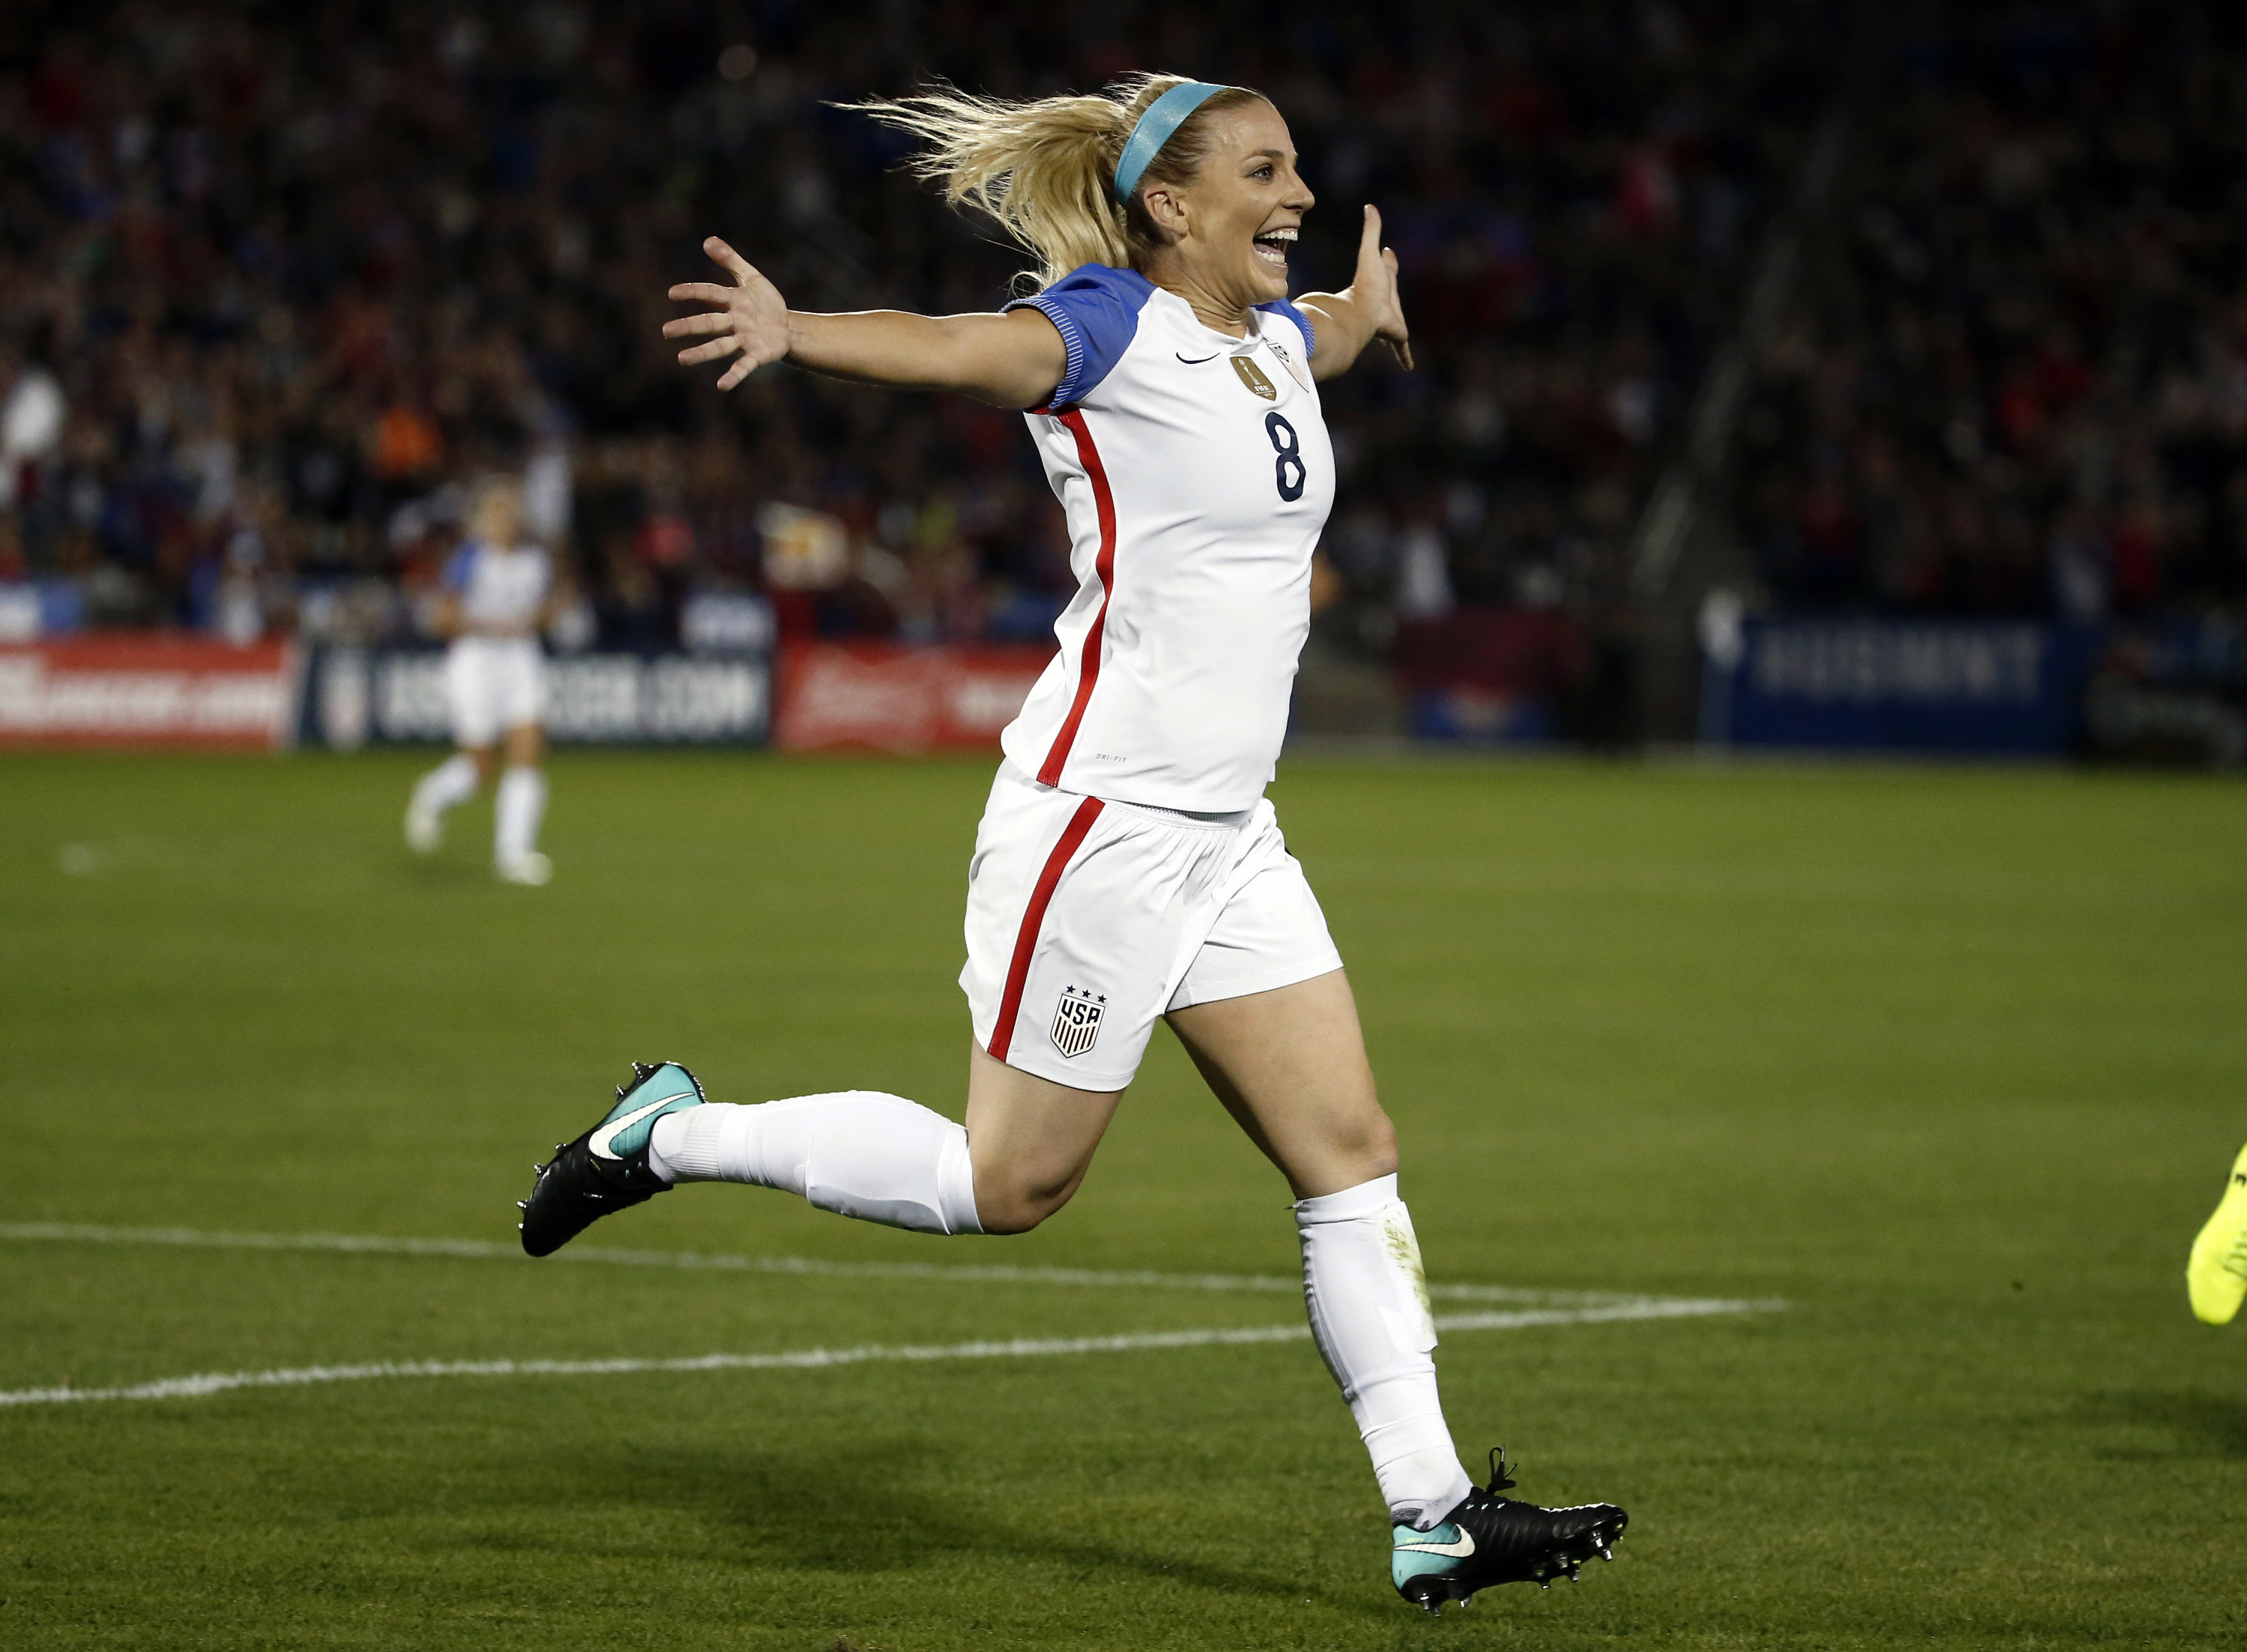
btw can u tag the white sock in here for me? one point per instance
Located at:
(1370, 1313)
(522, 801)
(861, 1153)
(451, 782)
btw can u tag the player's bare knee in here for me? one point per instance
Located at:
(1003, 1218)
(1009, 1202)
(1370, 1144)
(1016, 1214)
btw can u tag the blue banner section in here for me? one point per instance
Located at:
(1899, 685)
(1467, 714)
(357, 696)
(39, 608)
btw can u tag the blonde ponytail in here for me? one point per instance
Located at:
(1045, 167)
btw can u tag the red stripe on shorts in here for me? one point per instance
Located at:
(1026, 940)
(1104, 567)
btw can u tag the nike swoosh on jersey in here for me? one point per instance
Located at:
(607, 1133)
(1196, 361)
(1459, 1550)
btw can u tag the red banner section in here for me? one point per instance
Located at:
(150, 690)
(893, 697)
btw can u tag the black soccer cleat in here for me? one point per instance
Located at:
(605, 1170)
(1490, 1539)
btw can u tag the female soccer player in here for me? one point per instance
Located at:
(497, 591)
(1128, 866)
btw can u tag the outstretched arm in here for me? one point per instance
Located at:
(1366, 309)
(1010, 361)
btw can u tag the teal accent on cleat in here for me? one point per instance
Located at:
(606, 1170)
(1490, 1539)
(630, 1123)
(1418, 1554)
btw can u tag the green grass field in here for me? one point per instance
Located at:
(1951, 1061)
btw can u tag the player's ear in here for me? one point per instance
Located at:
(1165, 207)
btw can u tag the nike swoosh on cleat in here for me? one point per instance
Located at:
(1459, 1550)
(1196, 361)
(607, 1133)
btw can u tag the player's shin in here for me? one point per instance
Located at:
(862, 1153)
(451, 783)
(1368, 1308)
(521, 805)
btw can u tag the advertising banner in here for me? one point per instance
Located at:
(361, 696)
(1492, 675)
(894, 697)
(1915, 685)
(147, 690)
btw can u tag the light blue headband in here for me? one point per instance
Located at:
(1164, 116)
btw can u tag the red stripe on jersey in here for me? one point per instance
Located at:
(1026, 939)
(1103, 568)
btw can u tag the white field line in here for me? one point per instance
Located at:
(484, 1250)
(209, 1382)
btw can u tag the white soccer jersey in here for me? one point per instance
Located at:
(1197, 475)
(500, 590)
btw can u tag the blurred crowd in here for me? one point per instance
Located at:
(2017, 383)
(276, 282)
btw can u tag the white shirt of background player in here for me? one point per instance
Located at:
(498, 588)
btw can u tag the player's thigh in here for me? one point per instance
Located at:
(519, 688)
(526, 746)
(470, 696)
(1267, 1013)
(1290, 1066)
(1031, 1141)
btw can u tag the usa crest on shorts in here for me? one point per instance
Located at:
(1076, 1019)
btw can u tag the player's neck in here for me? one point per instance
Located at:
(1217, 313)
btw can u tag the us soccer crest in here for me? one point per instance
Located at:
(1076, 1019)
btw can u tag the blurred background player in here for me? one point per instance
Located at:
(497, 591)
(2216, 1276)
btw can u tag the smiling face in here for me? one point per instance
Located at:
(1231, 229)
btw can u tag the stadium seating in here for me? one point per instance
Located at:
(276, 284)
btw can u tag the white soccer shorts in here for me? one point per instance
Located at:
(1087, 919)
(493, 684)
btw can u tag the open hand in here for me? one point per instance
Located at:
(1373, 289)
(752, 319)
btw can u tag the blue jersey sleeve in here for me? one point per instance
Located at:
(1096, 309)
(457, 569)
(1284, 307)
